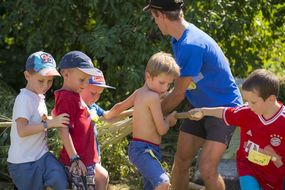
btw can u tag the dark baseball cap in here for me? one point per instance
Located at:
(164, 5)
(79, 60)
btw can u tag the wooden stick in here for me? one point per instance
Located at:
(5, 124)
(182, 115)
(192, 114)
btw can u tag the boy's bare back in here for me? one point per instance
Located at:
(147, 109)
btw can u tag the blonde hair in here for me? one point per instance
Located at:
(162, 62)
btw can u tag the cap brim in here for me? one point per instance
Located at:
(89, 71)
(146, 8)
(104, 86)
(49, 72)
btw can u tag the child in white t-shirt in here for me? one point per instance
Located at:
(30, 164)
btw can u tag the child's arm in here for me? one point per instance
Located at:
(171, 119)
(24, 129)
(119, 117)
(120, 107)
(70, 149)
(162, 124)
(199, 113)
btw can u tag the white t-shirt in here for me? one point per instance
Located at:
(30, 106)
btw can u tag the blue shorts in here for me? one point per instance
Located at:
(148, 164)
(248, 182)
(45, 172)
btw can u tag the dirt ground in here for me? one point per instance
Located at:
(119, 187)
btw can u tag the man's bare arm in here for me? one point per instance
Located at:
(177, 95)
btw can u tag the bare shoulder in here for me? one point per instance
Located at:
(151, 96)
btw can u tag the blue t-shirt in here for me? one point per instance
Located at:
(200, 57)
(99, 110)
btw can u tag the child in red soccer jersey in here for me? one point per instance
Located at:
(261, 155)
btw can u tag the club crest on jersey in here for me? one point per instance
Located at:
(275, 140)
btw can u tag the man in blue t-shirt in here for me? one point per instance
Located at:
(206, 81)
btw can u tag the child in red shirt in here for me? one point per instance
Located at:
(79, 153)
(261, 155)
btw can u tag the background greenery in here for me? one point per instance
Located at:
(120, 37)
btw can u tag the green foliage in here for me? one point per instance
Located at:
(120, 38)
(282, 91)
(7, 97)
(247, 31)
(115, 160)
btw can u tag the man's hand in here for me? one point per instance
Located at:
(196, 114)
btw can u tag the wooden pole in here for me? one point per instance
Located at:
(5, 124)
(192, 114)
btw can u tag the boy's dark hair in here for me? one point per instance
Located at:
(262, 81)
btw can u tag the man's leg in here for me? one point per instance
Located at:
(208, 165)
(187, 147)
(163, 186)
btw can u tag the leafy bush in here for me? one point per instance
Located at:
(282, 91)
(120, 38)
(7, 97)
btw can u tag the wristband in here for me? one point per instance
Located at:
(74, 158)
(45, 125)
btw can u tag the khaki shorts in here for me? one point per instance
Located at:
(209, 128)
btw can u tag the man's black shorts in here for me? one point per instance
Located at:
(209, 128)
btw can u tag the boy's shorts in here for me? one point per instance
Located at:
(45, 172)
(209, 128)
(146, 158)
(82, 182)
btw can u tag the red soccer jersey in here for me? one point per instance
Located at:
(80, 127)
(262, 135)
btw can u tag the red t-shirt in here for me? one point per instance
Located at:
(80, 127)
(260, 134)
